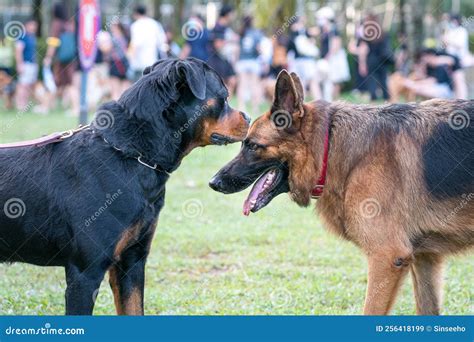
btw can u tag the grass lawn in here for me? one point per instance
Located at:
(207, 258)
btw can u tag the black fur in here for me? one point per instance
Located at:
(82, 194)
(448, 160)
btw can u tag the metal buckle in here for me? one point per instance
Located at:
(66, 134)
(69, 133)
(145, 164)
(317, 187)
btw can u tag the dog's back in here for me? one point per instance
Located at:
(414, 161)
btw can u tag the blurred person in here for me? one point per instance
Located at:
(354, 48)
(197, 42)
(223, 29)
(438, 67)
(220, 64)
(147, 43)
(332, 54)
(7, 64)
(118, 61)
(396, 81)
(224, 20)
(278, 62)
(26, 65)
(375, 55)
(248, 67)
(302, 53)
(172, 49)
(456, 40)
(62, 57)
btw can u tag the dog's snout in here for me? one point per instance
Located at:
(215, 183)
(246, 117)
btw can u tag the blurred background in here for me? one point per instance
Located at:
(206, 257)
(366, 50)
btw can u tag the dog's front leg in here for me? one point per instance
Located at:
(82, 289)
(127, 280)
(387, 269)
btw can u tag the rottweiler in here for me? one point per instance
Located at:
(90, 203)
(397, 180)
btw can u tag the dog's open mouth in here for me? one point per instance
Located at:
(272, 183)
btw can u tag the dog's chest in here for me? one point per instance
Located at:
(331, 210)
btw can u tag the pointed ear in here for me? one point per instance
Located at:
(288, 95)
(298, 86)
(194, 76)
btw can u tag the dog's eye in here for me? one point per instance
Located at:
(252, 147)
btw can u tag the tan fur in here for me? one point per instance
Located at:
(133, 303)
(232, 125)
(128, 237)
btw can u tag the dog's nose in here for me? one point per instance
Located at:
(215, 183)
(245, 116)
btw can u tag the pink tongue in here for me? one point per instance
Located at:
(256, 190)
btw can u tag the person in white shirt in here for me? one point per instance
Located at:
(147, 42)
(456, 39)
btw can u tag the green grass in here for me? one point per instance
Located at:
(207, 258)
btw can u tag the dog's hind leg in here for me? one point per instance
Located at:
(127, 280)
(426, 272)
(82, 288)
(386, 272)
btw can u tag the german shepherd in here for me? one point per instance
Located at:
(400, 181)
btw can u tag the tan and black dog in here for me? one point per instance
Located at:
(399, 181)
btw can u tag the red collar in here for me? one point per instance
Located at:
(318, 189)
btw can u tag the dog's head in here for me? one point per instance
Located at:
(274, 152)
(178, 105)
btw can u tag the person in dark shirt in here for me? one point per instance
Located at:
(26, 65)
(223, 22)
(438, 67)
(197, 41)
(375, 56)
(220, 64)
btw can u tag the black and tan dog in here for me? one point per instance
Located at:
(398, 181)
(90, 203)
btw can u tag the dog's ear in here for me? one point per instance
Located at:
(195, 77)
(150, 68)
(298, 86)
(289, 94)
